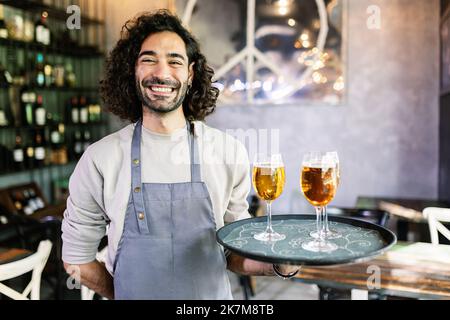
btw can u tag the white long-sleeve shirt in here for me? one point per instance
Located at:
(100, 185)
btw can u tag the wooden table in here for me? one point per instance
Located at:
(413, 270)
(8, 255)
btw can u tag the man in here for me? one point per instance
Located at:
(149, 183)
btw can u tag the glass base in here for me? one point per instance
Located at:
(269, 236)
(330, 234)
(319, 246)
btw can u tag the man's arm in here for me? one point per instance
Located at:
(83, 227)
(248, 267)
(94, 276)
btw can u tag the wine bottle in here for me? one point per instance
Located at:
(5, 77)
(39, 113)
(39, 70)
(3, 28)
(18, 154)
(84, 111)
(77, 145)
(41, 30)
(29, 154)
(39, 150)
(70, 77)
(74, 110)
(49, 75)
(3, 114)
(28, 100)
(86, 139)
(38, 202)
(28, 207)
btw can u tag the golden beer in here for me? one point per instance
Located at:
(268, 181)
(319, 184)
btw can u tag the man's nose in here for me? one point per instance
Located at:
(161, 70)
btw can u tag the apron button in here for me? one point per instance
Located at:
(136, 161)
(137, 189)
(141, 216)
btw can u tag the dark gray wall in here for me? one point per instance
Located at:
(387, 131)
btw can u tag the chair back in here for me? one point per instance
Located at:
(35, 263)
(435, 217)
(376, 216)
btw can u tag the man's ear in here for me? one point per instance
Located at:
(191, 72)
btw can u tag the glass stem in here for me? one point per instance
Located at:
(319, 222)
(269, 217)
(325, 219)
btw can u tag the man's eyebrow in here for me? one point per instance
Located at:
(170, 55)
(147, 53)
(176, 55)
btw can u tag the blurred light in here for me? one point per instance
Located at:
(283, 3)
(267, 85)
(297, 44)
(304, 37)
(316, 24)
(318, 65)
(283, 10)
(319, 78)
(291, 22)
(306, 44)
(339, 84)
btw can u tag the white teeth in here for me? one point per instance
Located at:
(161, 89)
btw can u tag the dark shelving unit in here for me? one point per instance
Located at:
(84, 50)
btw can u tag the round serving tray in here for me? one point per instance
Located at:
(361, 240)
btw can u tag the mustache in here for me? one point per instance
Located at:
(158, 81)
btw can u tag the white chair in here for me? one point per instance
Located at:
(435, 218)
(36, 263)
(86, 293)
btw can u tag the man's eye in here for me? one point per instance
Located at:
(148, 60)
(176, 63)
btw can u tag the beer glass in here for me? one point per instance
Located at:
(268, 179)
(327, 232)
(318, 183)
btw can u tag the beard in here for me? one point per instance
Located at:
(161, 104)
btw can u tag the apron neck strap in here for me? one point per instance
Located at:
(193, 150)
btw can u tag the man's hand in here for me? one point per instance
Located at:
(94, 276)
(245, 266)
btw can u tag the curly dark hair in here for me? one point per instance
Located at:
(118, 88)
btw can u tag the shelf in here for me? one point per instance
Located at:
(53, 13)
(89, 124)
(75, 51)
(58, 89)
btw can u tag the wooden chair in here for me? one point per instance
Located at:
(35, 263)
(435, 218)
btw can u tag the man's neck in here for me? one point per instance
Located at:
(163, 123)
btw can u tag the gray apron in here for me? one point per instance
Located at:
(168, 248)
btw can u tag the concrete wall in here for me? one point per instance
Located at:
(387, 132)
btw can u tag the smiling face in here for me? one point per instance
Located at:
(163, 72)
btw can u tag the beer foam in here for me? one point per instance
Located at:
(320, 165)
(268, 165)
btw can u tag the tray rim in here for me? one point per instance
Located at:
(347, 220)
